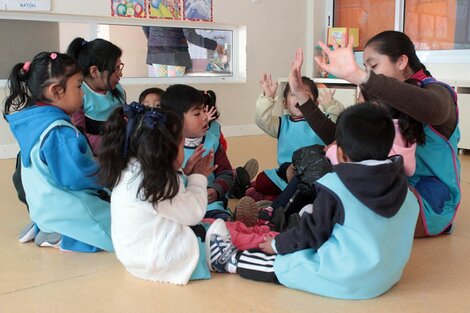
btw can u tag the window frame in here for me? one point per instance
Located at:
(238, 44)
(426, 56)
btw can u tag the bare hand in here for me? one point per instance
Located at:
(326, 97)
(290, 173)
(197, 155)
(268, 86)
(342, 63)
(204, 165)
(211, 113)
(266, 246)
(295, 78)
(212, 195)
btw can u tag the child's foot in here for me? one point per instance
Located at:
(251, 167)
(241, 183)
(220, 252)
(246, 211)
(28, 233)
(44, 239)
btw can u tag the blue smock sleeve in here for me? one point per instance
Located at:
(66, 153)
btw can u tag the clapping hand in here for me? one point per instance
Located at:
(269, 87)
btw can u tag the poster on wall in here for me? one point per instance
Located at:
(165, 9)
(198, 10)
(31, 5)
(129, 8)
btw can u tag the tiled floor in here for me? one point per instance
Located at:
(32, 279)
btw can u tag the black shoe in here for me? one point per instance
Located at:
(241, 184)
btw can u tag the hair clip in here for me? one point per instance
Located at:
(26, 66)
(53, 55)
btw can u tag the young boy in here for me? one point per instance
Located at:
(356, 240)
(188, 103)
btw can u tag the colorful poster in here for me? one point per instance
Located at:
(198, 10)
(31, 5)
(165, 9)
(128, 8)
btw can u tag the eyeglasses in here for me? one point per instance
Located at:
(118, 69)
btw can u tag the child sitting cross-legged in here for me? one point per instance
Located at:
(356, 239)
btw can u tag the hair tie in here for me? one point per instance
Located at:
(154, 117)
(131, 111)
(53, 55)
(26, 66)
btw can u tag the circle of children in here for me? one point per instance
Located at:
(150, 180)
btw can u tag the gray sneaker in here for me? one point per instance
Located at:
(28, 233)
(44, 239)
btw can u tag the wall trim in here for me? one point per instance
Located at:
(9, 151)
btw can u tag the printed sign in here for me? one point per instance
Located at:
(31, 5)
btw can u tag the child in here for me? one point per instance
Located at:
(154, 216)
(101, 64)
(357, 239)
(242, 174)
(286, 129)
(187, 102)
(151, 97)
(57, 164)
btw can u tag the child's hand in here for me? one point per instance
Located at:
(266, 246)
(197, 155)
(211, 113)
(268, 86)
(203, 165)
(326, 97)
(211, 195)
(295, 78)
(290, 173)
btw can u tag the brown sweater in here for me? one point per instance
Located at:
(432, 105)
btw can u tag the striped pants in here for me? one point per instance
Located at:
(256, 265)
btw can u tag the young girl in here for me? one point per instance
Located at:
(286, 128)
(150, 97)
(57, 164)
(154, 216)
(100, 61)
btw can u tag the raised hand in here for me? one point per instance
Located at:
(295, 78)
(211, 113)
(326, 96)
(197, 155)
(269, 87)
(342, 63)
(204, 165)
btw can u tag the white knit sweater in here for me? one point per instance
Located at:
(156, 243)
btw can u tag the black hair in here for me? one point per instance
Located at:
(210, 101)
(155, 148)
(27, 82)
(394, 44)
(181, 98)
(148, 91)
(365, 132)
(311, 85)
(100, 53)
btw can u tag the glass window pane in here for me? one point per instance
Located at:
(438, 24)
(172, 51)
(370, 16)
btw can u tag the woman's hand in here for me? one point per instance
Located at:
(268, 86)
(295, 78)
(342, 63)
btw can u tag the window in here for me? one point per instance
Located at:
(44, 32)
(431, 24)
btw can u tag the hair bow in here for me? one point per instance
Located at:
(153, 117)
(131, 111)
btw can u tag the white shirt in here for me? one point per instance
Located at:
(156, 243)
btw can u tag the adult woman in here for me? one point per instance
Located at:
(391, 61)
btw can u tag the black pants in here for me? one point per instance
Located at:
(256, 265)
(17, 181)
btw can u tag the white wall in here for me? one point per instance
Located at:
(275, 28)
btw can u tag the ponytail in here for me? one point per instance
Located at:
(19, 96)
